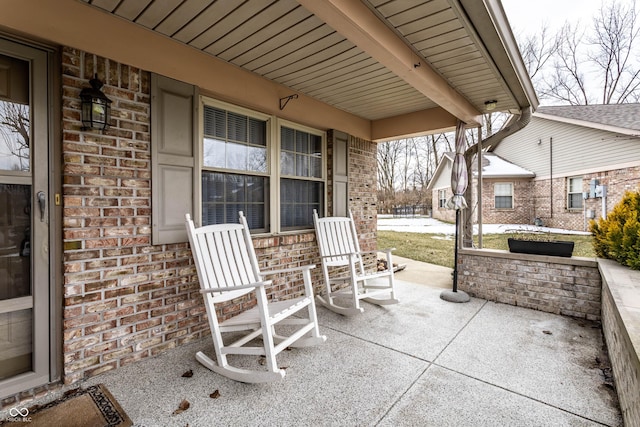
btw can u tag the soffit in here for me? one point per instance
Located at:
(284, 42)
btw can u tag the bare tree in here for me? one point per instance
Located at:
(567, 82)
(616, 52)
(596, 66)
(14, 132)
(537, 51)
(389, 154)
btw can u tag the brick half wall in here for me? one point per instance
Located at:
(566, 286)
(621, 329)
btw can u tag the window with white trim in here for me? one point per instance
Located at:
(574, 193)
(503, 195)
(442, 198)
(301, 177)
(270, 169)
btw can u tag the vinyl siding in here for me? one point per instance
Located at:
(443, 179)
(576, 149)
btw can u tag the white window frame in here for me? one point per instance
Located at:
(275, 210)
(273, 125)
(495, 194)
(570, 179)
(442, 198)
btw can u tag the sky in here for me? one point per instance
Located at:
(529, 16)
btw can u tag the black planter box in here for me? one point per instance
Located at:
(537, 247)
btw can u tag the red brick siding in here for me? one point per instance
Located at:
(547, 200)
(618, 182)
(443, 214)
(124, 299)
(362, 190)
(523, 207)
(551, 205)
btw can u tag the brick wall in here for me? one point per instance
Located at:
(566, 286)
(523, 208)
(618, 181)
(442, 213)
(620, 319)
(124, 299)
(547, 199)
(550, 200)
(362, 190)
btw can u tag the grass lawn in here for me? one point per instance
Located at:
(438, 249)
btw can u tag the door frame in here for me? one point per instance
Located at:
(46, 101)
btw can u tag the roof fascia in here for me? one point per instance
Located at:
(501, 45)
(443, 163)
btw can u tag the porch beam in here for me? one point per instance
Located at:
(432, 120)
(355, 21)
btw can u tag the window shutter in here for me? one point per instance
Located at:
(340, 174)
(173, 113)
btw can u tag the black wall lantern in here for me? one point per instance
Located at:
(96, 107)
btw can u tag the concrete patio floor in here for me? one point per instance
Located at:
(423, 362)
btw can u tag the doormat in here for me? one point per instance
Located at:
(90, 407)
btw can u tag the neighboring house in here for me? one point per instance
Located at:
(505, 188)
(270, 107)
(574, 151)
(568, 165)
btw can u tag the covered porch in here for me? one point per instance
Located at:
(421, 362)
(113, 279)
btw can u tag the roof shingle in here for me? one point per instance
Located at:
(625, 116)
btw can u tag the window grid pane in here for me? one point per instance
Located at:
(575, 201)
(575, 185)
(442, 198)
(224, 195)
(504, 202)
(302, 152)
(503, 189)
(298, 199)
(503, 195)
(238, 142)
(234, 141)
(574, 196)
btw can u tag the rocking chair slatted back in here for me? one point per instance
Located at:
(234, 263)
(336, 239)
(343, 268)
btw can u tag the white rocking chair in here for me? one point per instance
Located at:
(339, 247)
(228, 268)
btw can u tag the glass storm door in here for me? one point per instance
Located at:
(24, 265)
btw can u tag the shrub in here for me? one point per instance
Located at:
(618, 236)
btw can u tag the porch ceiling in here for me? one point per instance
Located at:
(375, 59)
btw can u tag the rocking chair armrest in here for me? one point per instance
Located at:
(262, 283)
(386, 250)
(287, 270)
